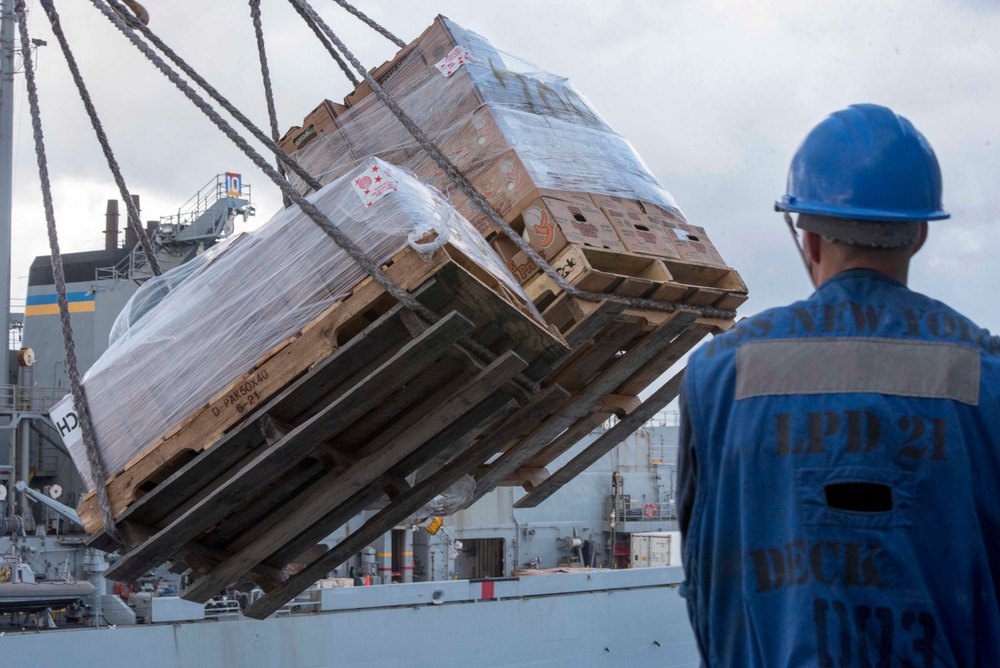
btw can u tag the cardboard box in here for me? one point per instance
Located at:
(550, 224)
(318, 121)
(662, 212)
(426, 93)
(616, 203)
(326, 157)
(642, 234)
(287, 141)
(693, 244)
(383, 74)
(519, 264)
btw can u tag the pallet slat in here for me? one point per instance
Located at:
(335, 490)
(612, 437)
(278, 458)
(580, 404)
(390, 516)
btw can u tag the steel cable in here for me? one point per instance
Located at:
(97, 470)
(481, 202)
(265, 74)
(131, 22)
(371, 23)
(95, 121)
(307, 207)
(326, 45)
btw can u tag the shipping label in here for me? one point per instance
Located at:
(454, 60)
(375, 184)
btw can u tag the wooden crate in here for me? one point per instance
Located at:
(503, 320)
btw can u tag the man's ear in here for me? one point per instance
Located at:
(920, 241)
(811, 246)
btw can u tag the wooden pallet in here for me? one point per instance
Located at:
(400, 410)
(630, 275)
(617, 353)
(500, 323)
(391, 408)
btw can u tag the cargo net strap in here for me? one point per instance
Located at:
(72, 367)
(114, 12)
(480, 202)
(102, 138)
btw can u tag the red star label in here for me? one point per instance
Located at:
(375, 168)
(377, 179)
(367, 191)
(369, 204)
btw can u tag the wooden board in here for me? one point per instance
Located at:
(608, 440)
(630, 275)
(581, 404)
(317, 341)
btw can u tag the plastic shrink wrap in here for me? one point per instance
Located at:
(187, 334)
(510, 128)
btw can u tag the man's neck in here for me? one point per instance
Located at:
(826, 271)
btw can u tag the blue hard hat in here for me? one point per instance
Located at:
(866, 163)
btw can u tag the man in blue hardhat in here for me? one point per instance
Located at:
(839, 483)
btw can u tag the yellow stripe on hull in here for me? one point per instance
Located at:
(53, 309)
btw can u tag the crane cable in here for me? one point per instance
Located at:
(95, 121)
(329, 47)
(371, 23)
(129, 24)
(336, 234)
(272, 115)
(72, 368)
(483, 204)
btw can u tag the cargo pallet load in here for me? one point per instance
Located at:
(299, 393)
(576, 191)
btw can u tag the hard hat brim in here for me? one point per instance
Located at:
(792, 205)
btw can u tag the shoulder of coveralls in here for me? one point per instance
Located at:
(931, 319)
(722, 347)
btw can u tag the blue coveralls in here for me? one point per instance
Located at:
(839, 486)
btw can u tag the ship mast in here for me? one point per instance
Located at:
(6, 172)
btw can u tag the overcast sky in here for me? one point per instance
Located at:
(715, 95)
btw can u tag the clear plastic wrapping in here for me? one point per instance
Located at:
(457, 497)
(510, 128)
(187, 334)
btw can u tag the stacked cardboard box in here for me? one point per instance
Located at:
(529, 143)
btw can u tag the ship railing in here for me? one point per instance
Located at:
(639, 510)
(201, 201)
(36, 399)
